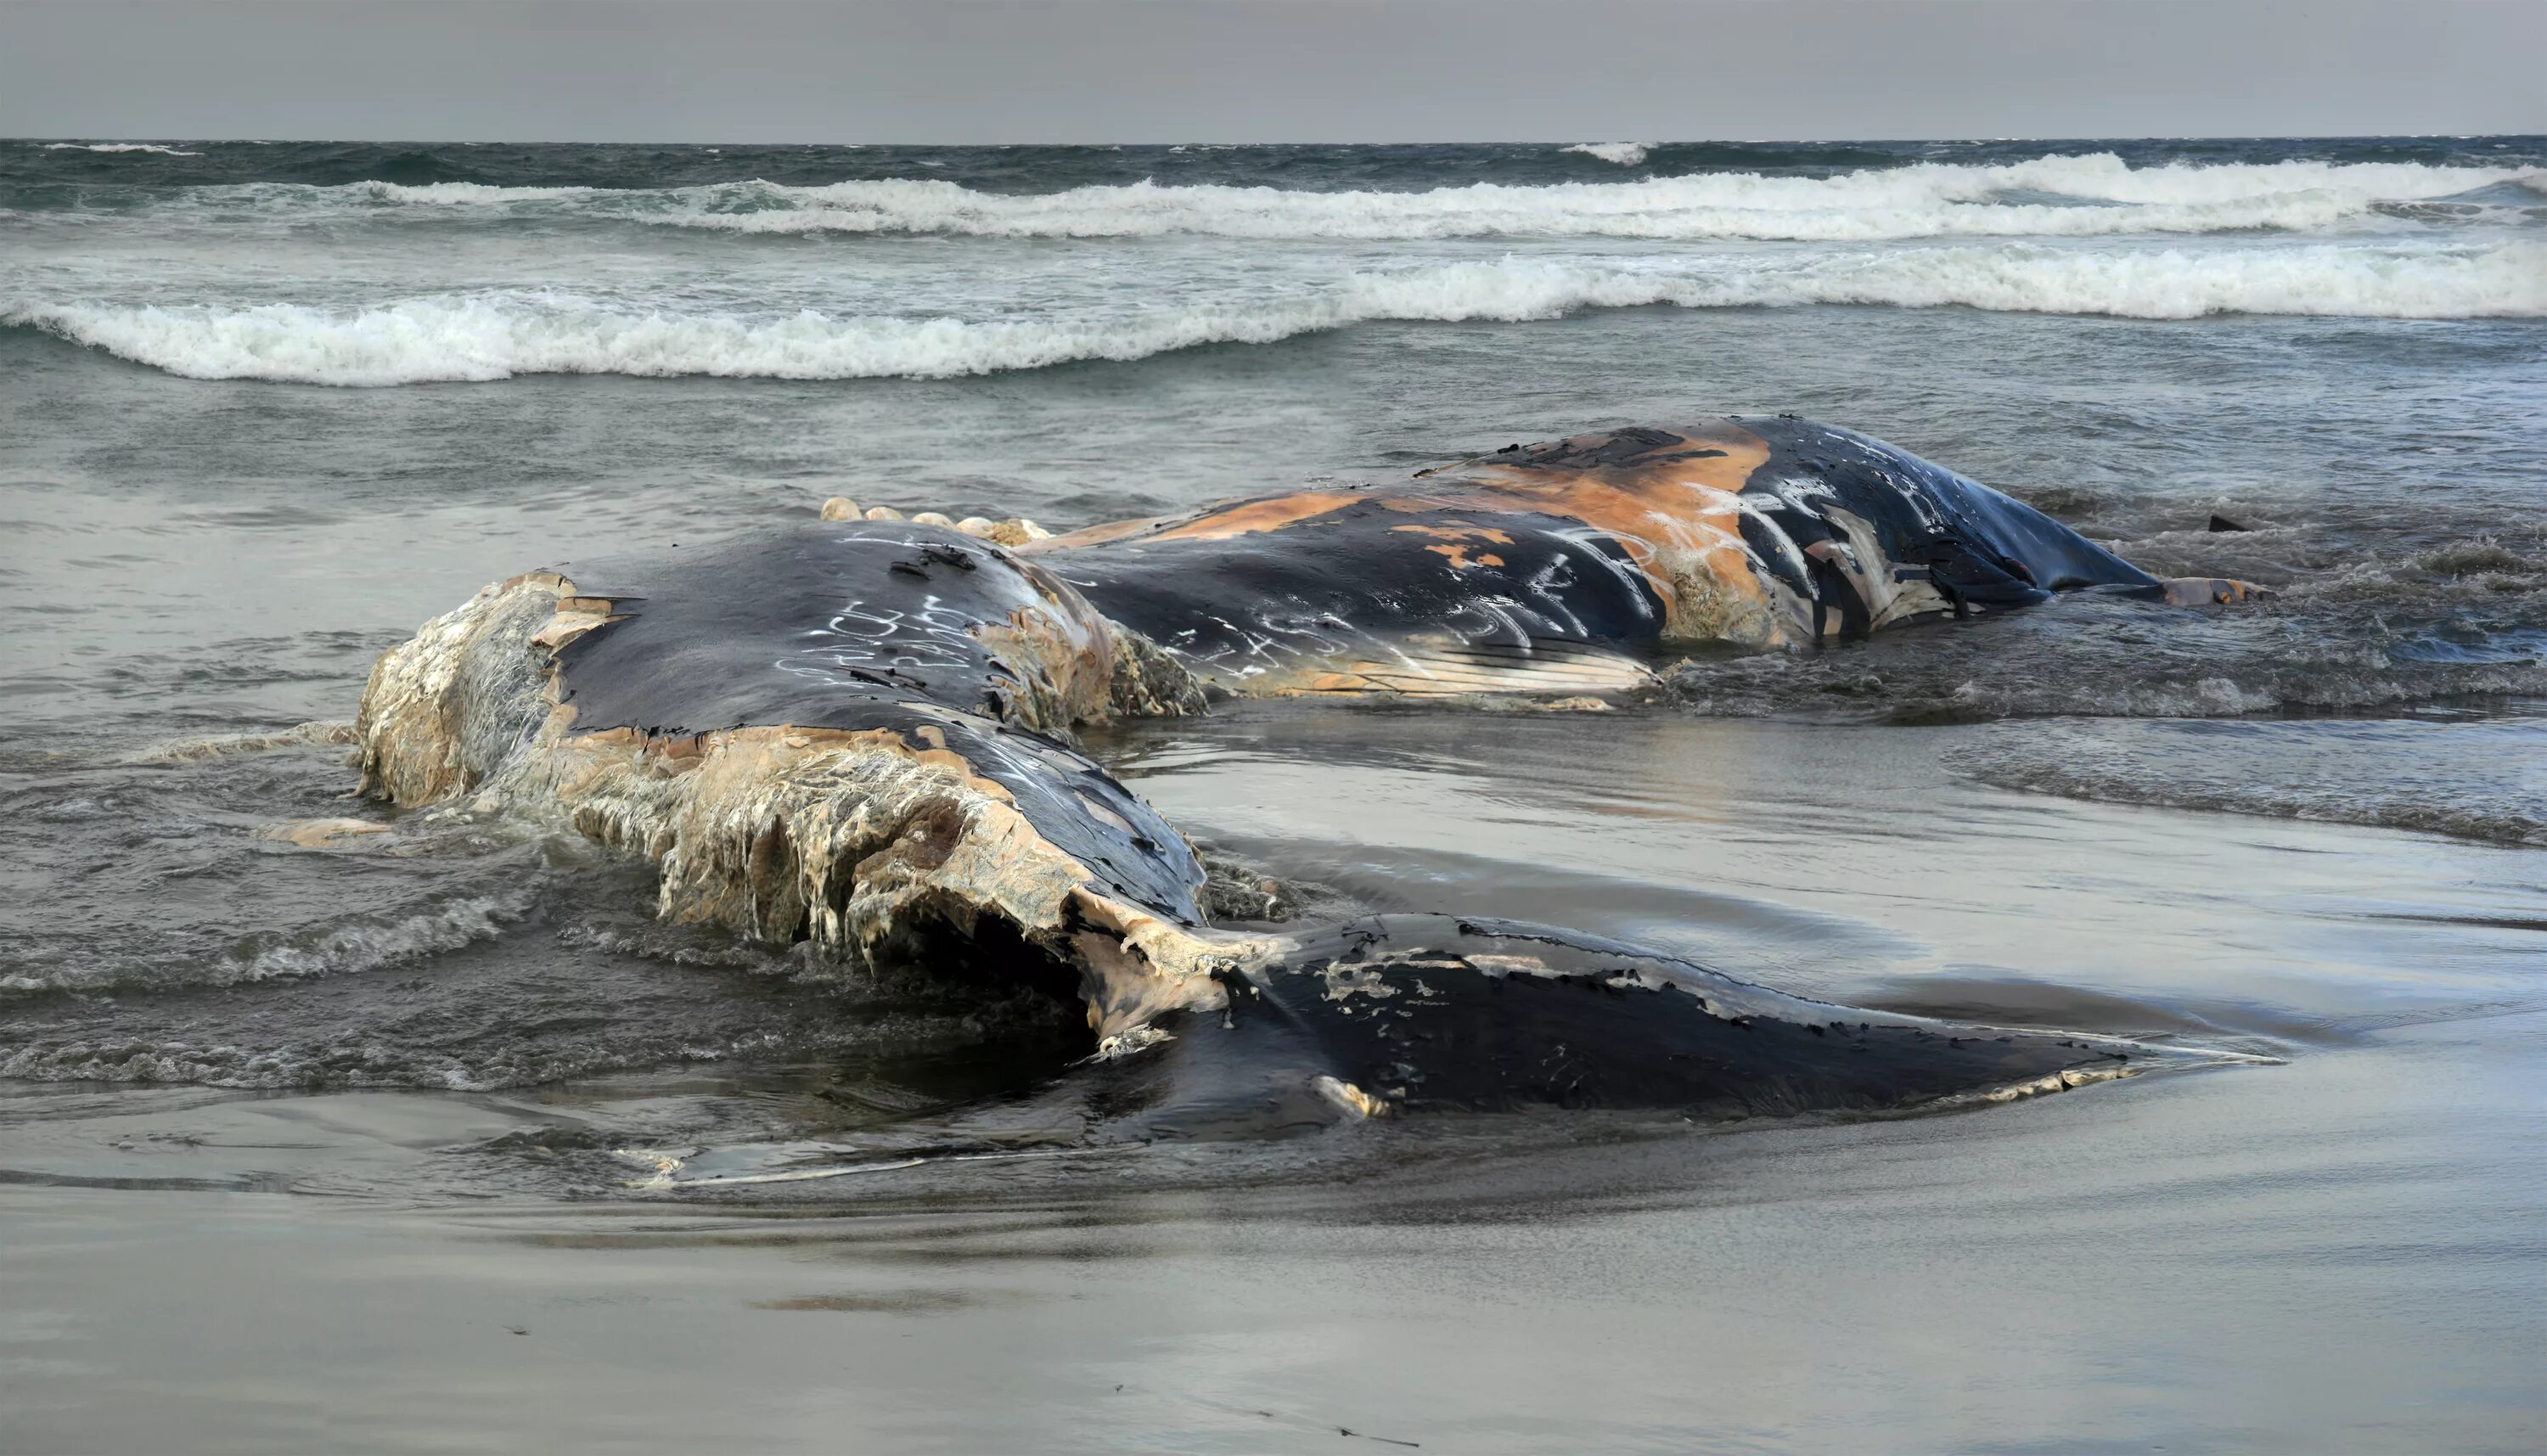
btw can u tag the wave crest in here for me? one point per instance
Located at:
(2097, 195)
(361, 943)
(1624, 153)
(497, 335)
(118, 147)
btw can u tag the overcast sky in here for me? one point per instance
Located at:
(1255, 71)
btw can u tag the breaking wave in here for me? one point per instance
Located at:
(118, 147)
(2069, 197)
(495, 335)
(363, 943)
(1624, 153)
(369, 945)
(2097, 195)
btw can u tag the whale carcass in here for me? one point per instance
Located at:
(861, 734)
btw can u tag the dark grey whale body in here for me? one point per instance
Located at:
(1434, 1013)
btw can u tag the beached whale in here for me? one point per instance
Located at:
(858, 734)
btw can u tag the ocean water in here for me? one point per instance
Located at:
(265, 407)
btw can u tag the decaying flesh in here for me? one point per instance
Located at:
(862, 841)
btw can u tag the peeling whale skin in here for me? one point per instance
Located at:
(882, 627)
(1563, 566)
(850, 734)
(860, 734)
(1384, 596)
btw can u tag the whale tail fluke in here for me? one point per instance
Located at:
(1395, 1015)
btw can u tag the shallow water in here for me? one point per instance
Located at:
(292, 1140)
(2335, 1253)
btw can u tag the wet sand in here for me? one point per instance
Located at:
(2343, 1251)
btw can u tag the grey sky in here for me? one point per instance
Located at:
(1207, 71)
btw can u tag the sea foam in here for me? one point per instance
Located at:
(2096, 195)
(1625, 153)
(499, 334)
(358, 943)
(116, 146)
